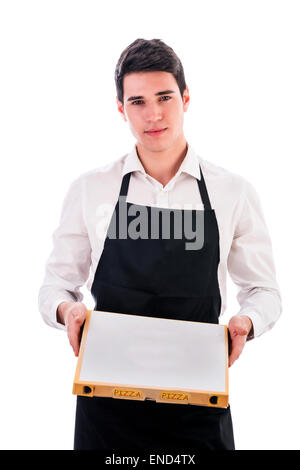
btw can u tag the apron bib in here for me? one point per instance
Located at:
(156, 276)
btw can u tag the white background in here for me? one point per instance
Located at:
(59, 119)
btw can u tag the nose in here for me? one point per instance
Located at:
(153, 112)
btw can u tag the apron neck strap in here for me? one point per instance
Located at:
(125, 184)
(203, 192)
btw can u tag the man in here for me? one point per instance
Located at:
(157, 276)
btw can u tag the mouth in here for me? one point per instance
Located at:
(156, 132)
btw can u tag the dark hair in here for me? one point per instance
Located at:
(148, 55)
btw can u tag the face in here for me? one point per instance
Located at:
(154, 109)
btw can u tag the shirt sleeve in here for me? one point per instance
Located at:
(68, 265)
(251, 266)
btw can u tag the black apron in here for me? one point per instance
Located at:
(157, 277)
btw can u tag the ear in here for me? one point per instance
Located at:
(121, 108)
(186, 99)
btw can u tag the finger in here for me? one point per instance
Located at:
(236, 349)
(73, 334)
(237, 345)
(74, 330)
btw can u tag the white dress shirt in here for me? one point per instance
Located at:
(245, 245)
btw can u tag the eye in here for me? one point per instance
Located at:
(136, 101)
(162, 98)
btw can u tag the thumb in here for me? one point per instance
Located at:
(241, 331)
(238, 326)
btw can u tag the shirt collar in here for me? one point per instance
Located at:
(190, 163)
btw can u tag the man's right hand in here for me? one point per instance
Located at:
(73, 315)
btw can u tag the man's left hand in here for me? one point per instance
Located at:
(239, 327)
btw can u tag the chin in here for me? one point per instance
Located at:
(156, 146)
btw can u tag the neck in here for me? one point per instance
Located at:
(163, 165)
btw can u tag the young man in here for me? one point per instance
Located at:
(157, 276)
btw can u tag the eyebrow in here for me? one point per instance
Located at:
(165, 92)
